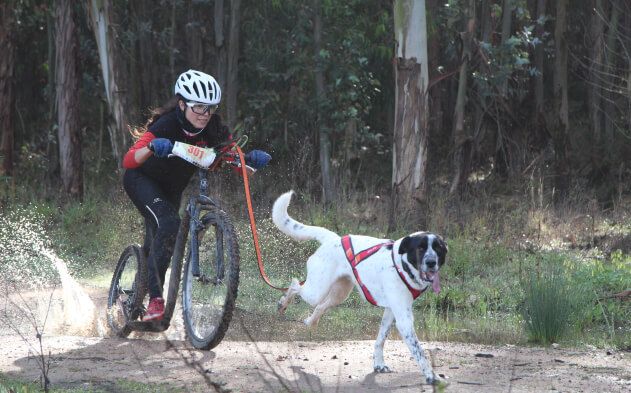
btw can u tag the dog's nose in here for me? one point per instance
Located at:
(430, 264)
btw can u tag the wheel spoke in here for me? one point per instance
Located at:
(208, 300)
(126, 291)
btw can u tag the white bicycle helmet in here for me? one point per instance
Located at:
(199, 87)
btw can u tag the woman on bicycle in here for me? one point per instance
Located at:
(155, 180)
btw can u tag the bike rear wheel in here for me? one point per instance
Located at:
(208, 299)
(127, 290)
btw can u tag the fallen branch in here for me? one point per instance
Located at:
(624, 295)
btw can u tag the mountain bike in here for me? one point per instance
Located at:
(211, 268)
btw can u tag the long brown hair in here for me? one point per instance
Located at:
(154, 115)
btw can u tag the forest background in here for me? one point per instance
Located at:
(503, 125)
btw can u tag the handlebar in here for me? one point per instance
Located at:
(212, 158)
(226, 153)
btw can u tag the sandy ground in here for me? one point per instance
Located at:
(91, 358)
(339, 366)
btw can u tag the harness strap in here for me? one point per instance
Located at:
(415, 292)
(355, 259)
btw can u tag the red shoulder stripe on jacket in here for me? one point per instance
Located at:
(129, 161)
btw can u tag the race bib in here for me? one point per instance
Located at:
(198, 156)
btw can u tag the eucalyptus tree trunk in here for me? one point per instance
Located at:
(325, 147)
(596, 48)
(507, 13)
(7, 98)
(101, 15)
(232, 83)
(438, 91)
(144, 59)
(611, 75)
(539, 62)
(409, 166)
(221, 57)
(172, 46)
(194, 41)
(559, 120)
(67, 97)
(481, 126)
(501, 156)
(462, 138)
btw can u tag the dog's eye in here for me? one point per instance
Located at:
(440, 250)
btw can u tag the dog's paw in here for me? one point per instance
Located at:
(382, 369)
(434, 380)
(281, 307)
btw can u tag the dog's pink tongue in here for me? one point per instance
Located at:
(436, 283)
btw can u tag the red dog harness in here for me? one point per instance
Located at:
(354, 260)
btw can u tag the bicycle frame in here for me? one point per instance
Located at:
(190, 223)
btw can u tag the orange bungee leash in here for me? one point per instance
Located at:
(248, 199)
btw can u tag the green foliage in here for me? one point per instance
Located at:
(12, 386)
(279, 94)
(548, 305)
(597, 281)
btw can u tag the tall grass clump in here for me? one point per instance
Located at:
(548, 306)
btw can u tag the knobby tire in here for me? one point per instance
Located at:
(127, 290)
(213, 314)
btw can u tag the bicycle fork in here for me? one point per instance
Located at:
(195, 227)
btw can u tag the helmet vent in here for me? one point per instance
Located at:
(197, 86)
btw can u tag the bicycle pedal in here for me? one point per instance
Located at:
(138, 313)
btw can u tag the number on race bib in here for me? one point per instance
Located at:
(199, 156)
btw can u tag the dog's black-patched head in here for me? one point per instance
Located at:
(425, 251)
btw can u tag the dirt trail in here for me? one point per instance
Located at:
(239, 365)
(315, 366)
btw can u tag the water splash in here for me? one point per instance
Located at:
(32, 270)
(79, 312)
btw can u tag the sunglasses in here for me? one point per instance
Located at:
(200, 109)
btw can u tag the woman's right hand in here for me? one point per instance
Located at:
(161, 147)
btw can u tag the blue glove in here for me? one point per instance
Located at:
(161, 147)
(257, 159)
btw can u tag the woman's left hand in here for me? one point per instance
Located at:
(257, 159)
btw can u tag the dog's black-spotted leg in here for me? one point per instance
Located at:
(405, 325)
(386, 323)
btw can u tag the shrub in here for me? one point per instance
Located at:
(547, 306)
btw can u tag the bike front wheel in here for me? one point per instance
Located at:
(127, 290)
(209, 293)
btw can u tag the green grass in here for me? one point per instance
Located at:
(548, 307)
(13, 385)
(485, 283)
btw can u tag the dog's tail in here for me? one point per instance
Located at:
(293, 228)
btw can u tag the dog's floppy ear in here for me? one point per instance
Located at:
(442, 252)
(408, 244)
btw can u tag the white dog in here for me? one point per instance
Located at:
(389, 274)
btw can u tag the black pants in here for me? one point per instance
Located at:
(162, 222)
